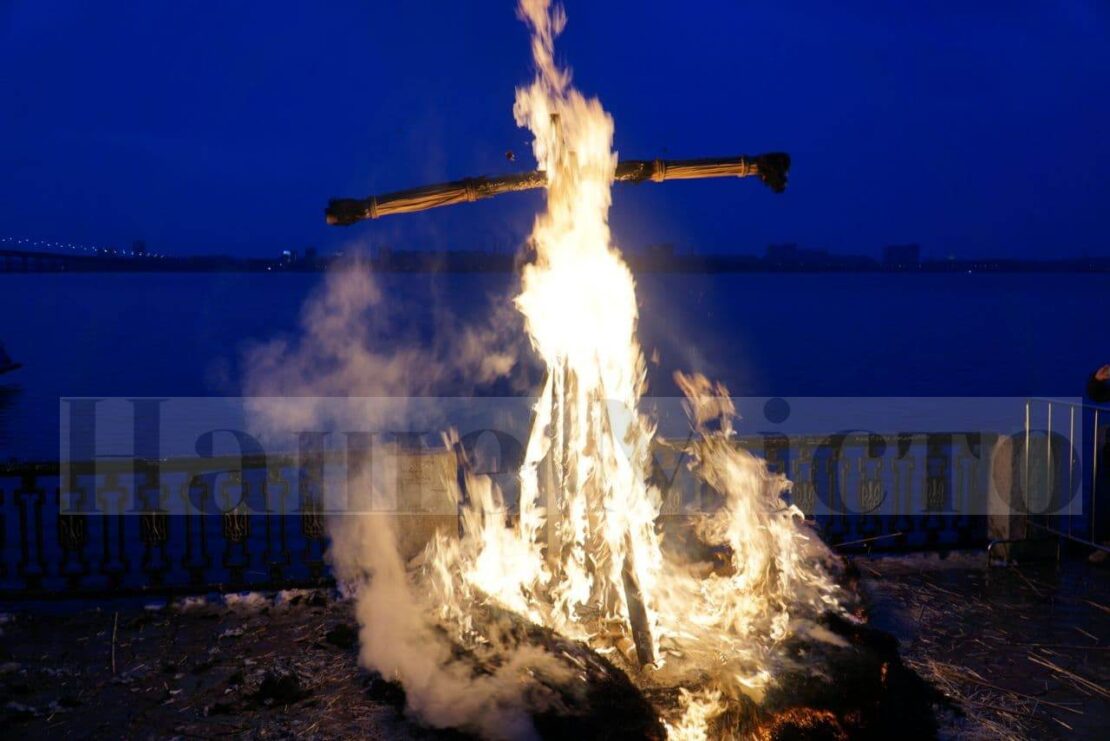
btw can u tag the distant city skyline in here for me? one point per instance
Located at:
(139, 247)
(23, 256)
(975, 131)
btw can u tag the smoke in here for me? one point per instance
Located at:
(398, 639)
(355, 342)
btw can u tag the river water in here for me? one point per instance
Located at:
(763, 335)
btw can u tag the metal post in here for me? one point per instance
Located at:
(1071, 461)
(1094, 474)
(1025, 462)
(1048, 477)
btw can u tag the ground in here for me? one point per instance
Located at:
(1021, 651)
(270, 667)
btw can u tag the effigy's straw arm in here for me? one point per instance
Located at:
(771, 168)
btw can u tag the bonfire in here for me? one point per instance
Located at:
(573, 608)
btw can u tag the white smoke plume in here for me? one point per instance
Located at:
(348, 347)
(352, 343)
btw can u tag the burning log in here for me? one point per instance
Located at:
(771, 168)
(637, 610)
(560, 485)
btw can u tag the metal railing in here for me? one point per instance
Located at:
(115, 527)
(123, 527)
(1045, 477)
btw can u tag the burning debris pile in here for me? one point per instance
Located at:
(542, 612)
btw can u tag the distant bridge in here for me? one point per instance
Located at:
(32, 261)
(28, 255)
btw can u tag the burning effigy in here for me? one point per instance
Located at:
(569, 611)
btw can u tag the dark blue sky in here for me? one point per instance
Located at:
(974, 128)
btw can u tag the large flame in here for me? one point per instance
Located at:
(584, 556)
(583, 480)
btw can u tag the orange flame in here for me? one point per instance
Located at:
(584, 557)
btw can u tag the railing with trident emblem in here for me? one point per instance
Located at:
(238, 523)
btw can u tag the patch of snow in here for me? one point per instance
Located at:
(246, 601)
